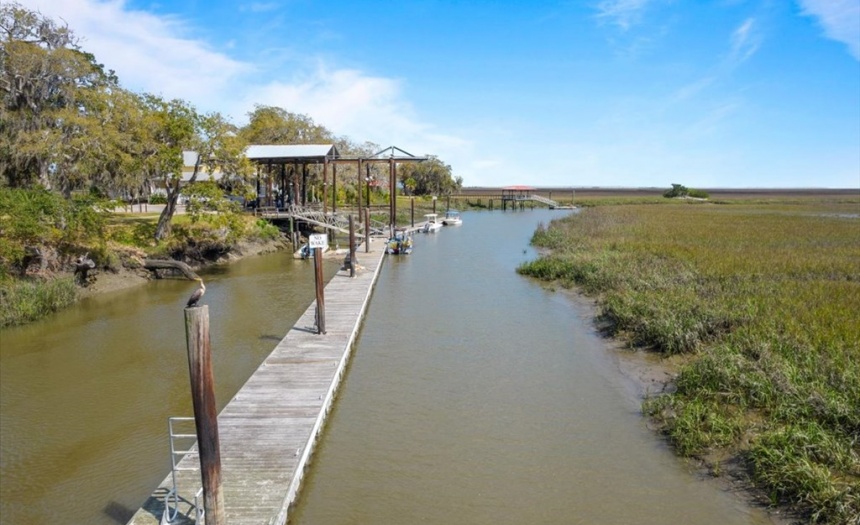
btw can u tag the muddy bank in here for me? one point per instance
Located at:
(132, 273)
(647, 374)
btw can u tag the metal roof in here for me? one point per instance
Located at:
(284, 152)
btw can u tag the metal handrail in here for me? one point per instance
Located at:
(175, 459)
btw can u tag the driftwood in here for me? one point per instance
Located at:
(160, 264)
(83, 265)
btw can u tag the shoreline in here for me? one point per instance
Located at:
(126, 278)
(645, 373)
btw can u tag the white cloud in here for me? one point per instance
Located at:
(745, 42)
(154, 54)
(351, 103)
(261, 7)
(623, 13)
(840, 20)
(149, 53)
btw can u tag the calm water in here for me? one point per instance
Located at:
(477, 397)
(474, 397)
(85, 394)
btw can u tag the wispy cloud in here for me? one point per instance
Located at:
(745, 42)
(260, 7)
(149, 53)
(840, 20)
(160, 55)
(623, 13)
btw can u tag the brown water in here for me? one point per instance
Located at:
(85, 394)
(475, 396)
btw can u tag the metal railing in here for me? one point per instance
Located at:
(548, 202)
(187, 441)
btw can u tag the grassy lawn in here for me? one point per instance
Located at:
(764, 298)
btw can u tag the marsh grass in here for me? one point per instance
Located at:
(765, 299)
(22, 301)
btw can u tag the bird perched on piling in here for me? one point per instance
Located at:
(198, 293)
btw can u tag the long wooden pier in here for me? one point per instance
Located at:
(269, 429)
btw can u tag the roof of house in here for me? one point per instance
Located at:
(519, 188)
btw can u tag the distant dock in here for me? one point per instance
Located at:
(269, 429)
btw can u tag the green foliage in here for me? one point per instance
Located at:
(765, 301)
(265, 230)
(35, 218)
(794, 462)
(431, 177)
(273, 125)
(65, 122)
(24, 301)
(679, 190)
(157, 198)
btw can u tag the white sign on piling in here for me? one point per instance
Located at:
(318, 240)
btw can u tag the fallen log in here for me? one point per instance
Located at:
(161, 264)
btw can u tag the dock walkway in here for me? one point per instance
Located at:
(269, 429)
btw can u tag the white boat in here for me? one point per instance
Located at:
(452, 218)
(305, 252)
(432, 225)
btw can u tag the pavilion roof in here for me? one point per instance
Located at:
(283, 153)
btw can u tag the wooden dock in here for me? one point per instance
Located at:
(269, 429)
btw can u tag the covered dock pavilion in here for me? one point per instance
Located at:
(283, 173)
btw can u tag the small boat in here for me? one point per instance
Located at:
(432, 225)
(401, 243)
(305, 252)
(452, 218)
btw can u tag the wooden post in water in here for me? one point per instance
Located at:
(351, 246)
(367, 230)
(205, 412)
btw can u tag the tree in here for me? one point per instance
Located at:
(48, 85)
(273, 125)
(679, 190)
(431, 177)
(171, 127)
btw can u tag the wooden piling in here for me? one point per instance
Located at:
(351, 246)
(367, 230)
(320, 285)
(205, 411)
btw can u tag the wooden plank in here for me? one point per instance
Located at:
(270, 427)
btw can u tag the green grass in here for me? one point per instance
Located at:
(764, 298)
(22, 301)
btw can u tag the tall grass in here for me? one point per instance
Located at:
(765, 301)
(24, 301)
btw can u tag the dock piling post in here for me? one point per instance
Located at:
(318, 280)
(366, 230)
(205, 411)
(351, 246)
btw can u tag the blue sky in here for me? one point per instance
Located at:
(614, 93)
